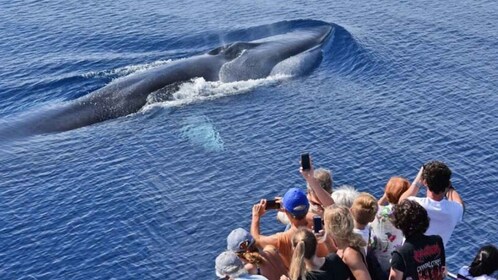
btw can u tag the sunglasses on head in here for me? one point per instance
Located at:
(244, 245)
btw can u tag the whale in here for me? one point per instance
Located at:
(235, 61)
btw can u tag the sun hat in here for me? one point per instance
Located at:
(295, 202)
(227, 263)
(238, 240)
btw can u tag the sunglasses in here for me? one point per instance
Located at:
(243, 246)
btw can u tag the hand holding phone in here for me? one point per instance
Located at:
(272, 204)
(317, 223)
(305, 161)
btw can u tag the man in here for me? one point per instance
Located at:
(442, 202)
(295, 205)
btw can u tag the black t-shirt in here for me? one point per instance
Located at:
(333, 269)
(420, 258)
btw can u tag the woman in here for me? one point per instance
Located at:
(339, 224)
(421, 256)
(306, 265)
(483, 266)
(266, 262)
(385, 236)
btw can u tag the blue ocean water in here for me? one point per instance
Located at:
(154, 194)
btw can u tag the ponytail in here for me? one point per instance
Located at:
(297, 269)
(304, 243)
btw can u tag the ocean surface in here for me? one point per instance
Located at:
(154, 194)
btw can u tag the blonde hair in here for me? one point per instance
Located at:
(395, 187)
(304, 243)
(252, 257)
(364, 208)
(340, 224)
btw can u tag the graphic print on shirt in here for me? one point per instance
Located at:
(432, 269)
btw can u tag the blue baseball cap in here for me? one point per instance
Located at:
(295, 202)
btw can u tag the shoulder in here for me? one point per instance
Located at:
(419, 200)
(453, 205)
(352, 255)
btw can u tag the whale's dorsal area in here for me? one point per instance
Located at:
(293, 51)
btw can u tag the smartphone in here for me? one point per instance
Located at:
(272, 204)
(317, 223)
(305, 161)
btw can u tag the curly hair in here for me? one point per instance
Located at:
(395, 187)
(437, 176)
(252, 255)
(339, 223)
(410, 217)
(485, 262)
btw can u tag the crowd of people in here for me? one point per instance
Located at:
(346, 234)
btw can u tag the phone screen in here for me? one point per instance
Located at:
(317, 223)
(272, 204)
(305, 161)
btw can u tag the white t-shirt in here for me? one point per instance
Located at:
(364, 234)
(444, 216)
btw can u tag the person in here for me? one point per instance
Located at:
(364, 209)
(385, 236)
(324, 180)
(229, 266)
(264, 262)
(443, 203)
(483, 266)
(307, 265)
(295, 205)
(339, 224)
(421, 257)
(345, 195)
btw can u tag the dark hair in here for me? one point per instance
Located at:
(410, 217)
(485, 262)
(437, 176)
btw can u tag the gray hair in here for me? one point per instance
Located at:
(345, 195)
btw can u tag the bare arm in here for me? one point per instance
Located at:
(262, 241)
(414, 188)
(383, 200)
(356, 263)
(395, 274)
(314, 184)
(452, 195)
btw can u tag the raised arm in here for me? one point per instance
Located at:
(262, 241)
(414, 187)
(314, 184)
(383, 200)
(452, 195)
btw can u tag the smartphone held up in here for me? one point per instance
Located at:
(272, 204)
(305, 161)
(317, 223)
